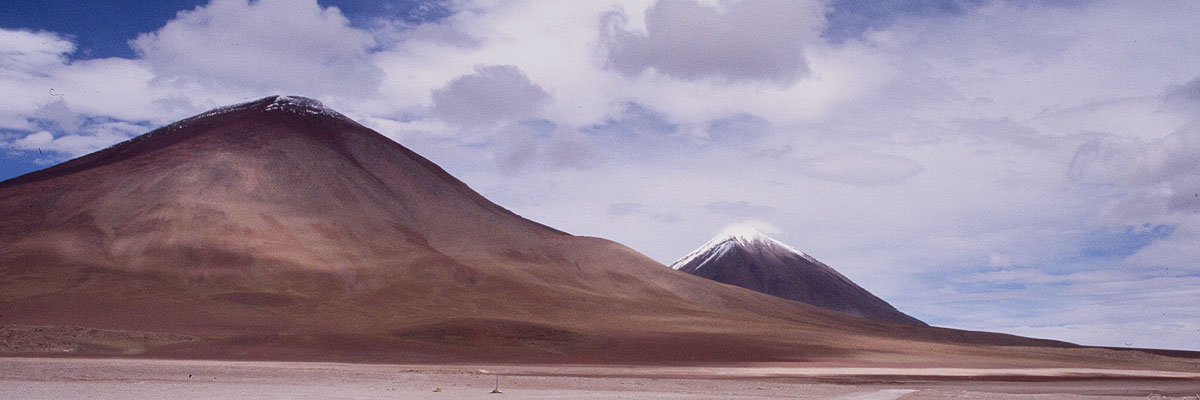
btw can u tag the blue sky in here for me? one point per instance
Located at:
(103, 28)
(1015, 166)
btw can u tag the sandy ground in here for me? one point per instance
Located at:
(96, 379)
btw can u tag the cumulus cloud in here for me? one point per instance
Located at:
(732, 41)
(26, 59)
(96, 136)
(62, 132)
(494, 93)
(35, 141)
(267, 45)
(61, 96)
(861, 169)
(1162, 171)
(25, 52)
(57, 116)
(1149, 183)
(1110, 160)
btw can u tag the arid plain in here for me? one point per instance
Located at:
(43, 378)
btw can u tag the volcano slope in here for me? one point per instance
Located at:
(280, 229)
(745, 257)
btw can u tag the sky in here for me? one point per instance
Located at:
(1028, 167)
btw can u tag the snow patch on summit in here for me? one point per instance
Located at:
(297, 105)
(302, 106)
(293, 104)
(737, 235)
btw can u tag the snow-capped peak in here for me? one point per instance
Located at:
(736, 236)
(292, 104)
(297, 105)
(743, 233)
(302, 105)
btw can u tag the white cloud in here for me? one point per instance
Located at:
(495, 93)
(292, 46)
(1132, 162)
(35, 140)
(1149, 183)
(25, 59)
(98, 136)
(25, 53)
(121, 89)
(732, 41)
(750, 226)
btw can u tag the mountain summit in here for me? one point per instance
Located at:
(746, 257)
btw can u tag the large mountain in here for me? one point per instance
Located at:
(745, 257)
(280, 229)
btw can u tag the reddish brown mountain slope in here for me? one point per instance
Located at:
(279, 229)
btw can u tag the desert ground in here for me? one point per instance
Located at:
(97, 379)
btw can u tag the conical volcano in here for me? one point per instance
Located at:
(748, 258)
(281, 229)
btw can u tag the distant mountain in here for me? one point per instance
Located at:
(748, 258)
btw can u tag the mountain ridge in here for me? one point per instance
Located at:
(249, 233)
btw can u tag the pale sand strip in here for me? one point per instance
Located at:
(799, 372)
(100, 379)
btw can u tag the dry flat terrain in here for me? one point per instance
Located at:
(97, 379)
